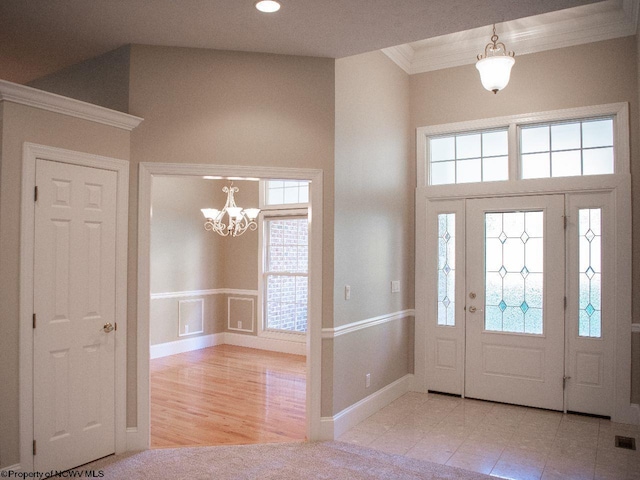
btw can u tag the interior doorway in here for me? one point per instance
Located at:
(216, 291)
(312, 337)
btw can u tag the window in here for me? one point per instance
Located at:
(469, 157)
(286, 192)
(590, 272)
(563, 144)
(446, 269)
(514, 272)
(286, 273)
(577, 148)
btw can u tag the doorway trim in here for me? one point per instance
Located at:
(31, 152)
(140, 437)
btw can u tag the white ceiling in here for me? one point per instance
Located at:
(38, 37)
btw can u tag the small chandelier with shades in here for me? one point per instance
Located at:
(495, 65)
(239, 220)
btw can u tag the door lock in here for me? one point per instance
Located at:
(472, 295)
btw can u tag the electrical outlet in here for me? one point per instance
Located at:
(347, 292)
(395, 286)
(240, 324)
(367, 380)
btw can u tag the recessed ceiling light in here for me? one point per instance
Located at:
(268, 6)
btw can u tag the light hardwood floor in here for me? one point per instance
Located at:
(227, 395)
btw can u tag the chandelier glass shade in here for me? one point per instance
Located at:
(239, 220)
(495, 64)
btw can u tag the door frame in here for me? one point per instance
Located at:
(31, 152)
(139, 438)
(619, 184)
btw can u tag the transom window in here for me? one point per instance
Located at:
(574, 143)
(567, 149)
(286, 192)
(469, 157)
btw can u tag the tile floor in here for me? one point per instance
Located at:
(504, 441)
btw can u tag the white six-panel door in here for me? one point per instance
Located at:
(74, 304)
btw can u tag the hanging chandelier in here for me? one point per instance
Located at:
(495, 65)
(239, 220)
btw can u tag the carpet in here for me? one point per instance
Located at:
(285, 461)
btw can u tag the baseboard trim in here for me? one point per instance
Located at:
(185, 345)
(265, 343)
(11, 468)
(136, 441)
(333, 427)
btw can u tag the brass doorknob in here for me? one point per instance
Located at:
(472, 309)
(108, 327)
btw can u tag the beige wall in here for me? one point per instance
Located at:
(592, 74)
(185, 257)
(229, 108)
(26, 124)
(103, 80)
(373, 241)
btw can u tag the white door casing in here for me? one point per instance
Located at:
(524, 367)
(33, 154)
(74, 297)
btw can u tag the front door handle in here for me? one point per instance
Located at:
(472, 309)
(108, 328)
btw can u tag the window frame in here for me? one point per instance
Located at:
(515, 184)
(290, 215)
(263, 188)
(270, 212)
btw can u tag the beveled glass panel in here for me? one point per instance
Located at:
(534, 139)
(565, 136)
(469, 171)
(589, 273)
(495, 144)
(468, 146)
(443, 173)
(442, 149)
(597, 133)
(598, 161)
(566, 164)
(513, 272)
(495, 169)
(536, 165)
(446, 269)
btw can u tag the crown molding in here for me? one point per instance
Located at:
(590, 23)
(32, 97)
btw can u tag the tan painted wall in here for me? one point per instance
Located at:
(103, 80)
(229, 108)
(26, 124)
(592, 74)
(374, 244)
(185, 257)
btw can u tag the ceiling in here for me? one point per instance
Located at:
(38, 37)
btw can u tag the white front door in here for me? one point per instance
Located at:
(74, 305)
(497, 324)
(514, 293)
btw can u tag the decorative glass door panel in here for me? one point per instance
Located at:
(514, 311)
(514, 258)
